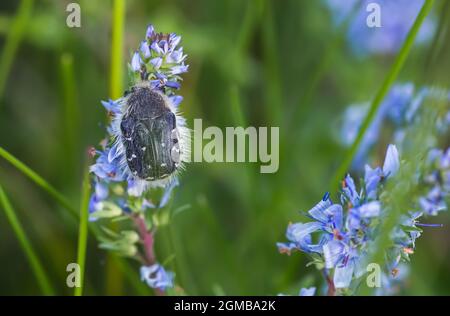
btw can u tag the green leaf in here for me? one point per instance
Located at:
(410, 228)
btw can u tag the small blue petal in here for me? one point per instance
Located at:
(343, 275)
(167, 192)
(333, 252)
(173, 84)
(145, 49)
(112, 106)
(391, 161)
(156, 62)
(150, 31)
(317, 212)
(176, 100)
(370, 209)
(136, 62)
(156, 277)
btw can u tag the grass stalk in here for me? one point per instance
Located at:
(64, 202)
(83, 231)
(36, 265)
(118, 20)
(114, 280)
(41, 182)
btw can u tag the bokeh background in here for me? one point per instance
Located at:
(261, 63)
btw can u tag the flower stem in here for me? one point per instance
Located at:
(33, 259)
(83, 231)
(114, 279)
(147, 238)
(13, 40)
(388, 81)
(331, 289)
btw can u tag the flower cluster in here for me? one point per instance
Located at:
(341, 236)
(398, 110)
(120, 194)
(437, 182)
(397, 17)
(161, 61)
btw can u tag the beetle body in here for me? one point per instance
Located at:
(149, 134)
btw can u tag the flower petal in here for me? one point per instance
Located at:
(391, 162)
(343, 275)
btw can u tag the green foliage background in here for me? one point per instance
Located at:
(259, 63)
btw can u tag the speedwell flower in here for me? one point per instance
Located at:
(146, 146)
(343, 238)
(157, 277)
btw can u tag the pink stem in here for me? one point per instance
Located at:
(148, 242)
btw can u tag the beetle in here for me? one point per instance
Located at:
(149, 134)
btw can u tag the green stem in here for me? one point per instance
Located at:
(389, 80)
(13, 40)
(117, 49)
(114, 279)
(38, 180)
(83, 230)
(36, 265)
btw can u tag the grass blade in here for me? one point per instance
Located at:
(37, 179)
(118, 20)
(33, 259)
(13, 40)
(389, 80)
(114, 279)
(70, 112)
(132, 278)
(83, 230)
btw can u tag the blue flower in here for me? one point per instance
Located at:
(372, 178)
(136, 62)
(358, 217)
(344, 259)
(156, 277)
(350, 192)
(391, 161)
(433, 202)
(394, 108)
(160, 60)
(299, 235)
(112, 106)
(100, 194)
(344, 248)
(107, 167)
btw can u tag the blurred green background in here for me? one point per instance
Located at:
(259, 63)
